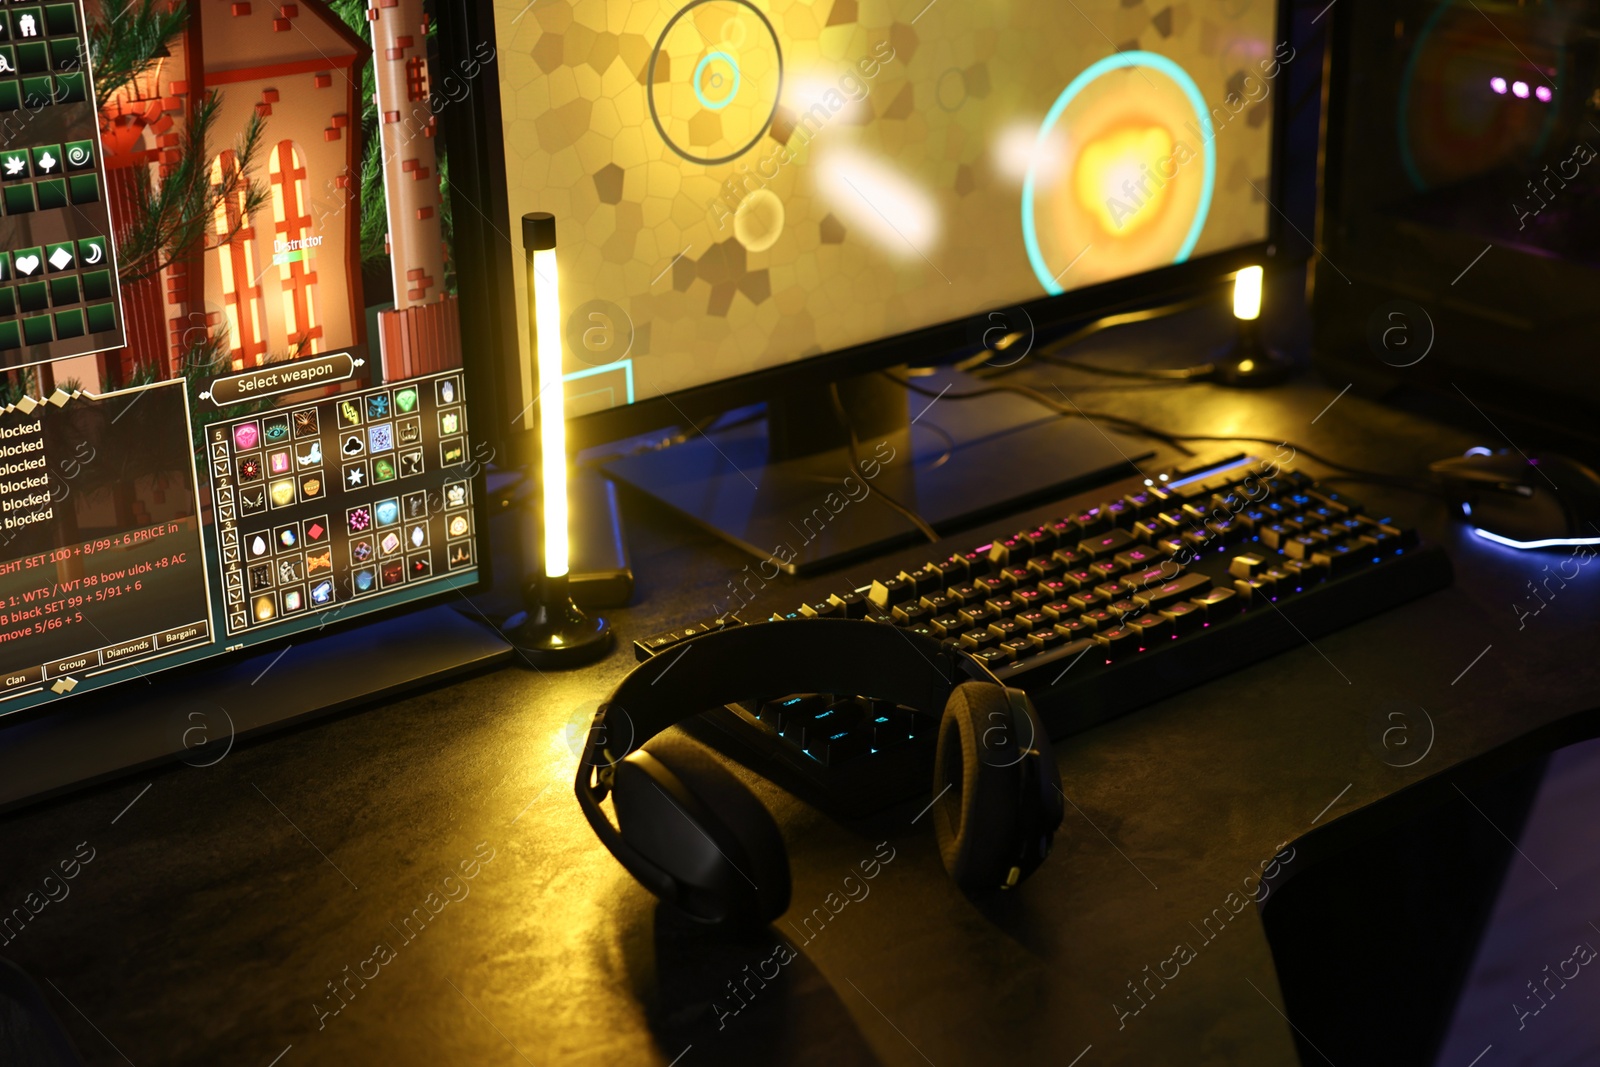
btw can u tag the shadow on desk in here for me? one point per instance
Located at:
(745, 999)
(30, 1033)
(1449, 918)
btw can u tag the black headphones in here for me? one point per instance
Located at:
(696, 837)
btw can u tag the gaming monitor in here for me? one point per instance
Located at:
(750, 191)
(236, 405)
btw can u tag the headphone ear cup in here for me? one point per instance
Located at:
(976, 778)
(689, 815)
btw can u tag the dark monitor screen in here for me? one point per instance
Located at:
(740, 185)
(235, 403)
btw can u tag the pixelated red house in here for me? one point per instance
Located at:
(288, 282)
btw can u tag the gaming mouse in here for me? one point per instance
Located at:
(1524, 501)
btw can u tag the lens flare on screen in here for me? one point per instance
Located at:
(1016, 147)
(815, 91)
(878, 201)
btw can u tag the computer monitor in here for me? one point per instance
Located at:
(763, 203)
(237, 410)
(756, 198)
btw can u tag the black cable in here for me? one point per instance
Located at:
(1049, 353)
(1201, 372)
(1127, 387)
(1074, 412)
(949, 446)
(1173, 440)
(855, 465)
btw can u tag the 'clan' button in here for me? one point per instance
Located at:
(11, 681)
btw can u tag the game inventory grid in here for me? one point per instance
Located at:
(327, 503)
(45, 57)
(58, 280)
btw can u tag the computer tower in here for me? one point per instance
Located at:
(1460, 216)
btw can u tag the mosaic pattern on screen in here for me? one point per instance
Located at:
(742, 183)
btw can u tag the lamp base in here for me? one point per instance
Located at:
(1249, 364)
(555, 633)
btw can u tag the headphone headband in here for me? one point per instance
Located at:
(773, 659)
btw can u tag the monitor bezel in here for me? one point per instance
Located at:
(481, 169)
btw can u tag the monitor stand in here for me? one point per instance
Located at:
(781, 488)
(199, 715)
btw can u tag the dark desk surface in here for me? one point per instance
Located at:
(221, 902)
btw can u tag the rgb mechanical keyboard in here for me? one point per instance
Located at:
(1116, 599)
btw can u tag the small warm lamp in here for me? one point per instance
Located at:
(1248, 362)
(555, 633)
